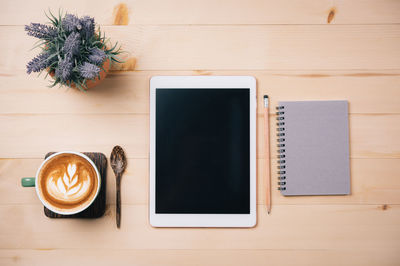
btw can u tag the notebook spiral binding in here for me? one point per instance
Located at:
(281, 147)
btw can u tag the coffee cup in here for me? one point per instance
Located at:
(66, 182)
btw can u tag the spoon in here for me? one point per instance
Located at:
(118, 164)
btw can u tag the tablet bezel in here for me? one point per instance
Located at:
(203, 220)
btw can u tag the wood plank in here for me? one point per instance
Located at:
(256, 47)
(338, 227)
(373, 181)
(110, 256)
(211, 12)
(38, 134)
(371, 136)
(128, 92)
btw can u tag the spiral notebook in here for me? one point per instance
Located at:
(313, 148)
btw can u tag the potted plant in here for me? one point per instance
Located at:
(72, 52)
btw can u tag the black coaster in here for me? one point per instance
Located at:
(98, 207)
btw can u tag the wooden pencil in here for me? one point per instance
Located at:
(267, 173)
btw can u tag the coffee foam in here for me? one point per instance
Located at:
(67, 182)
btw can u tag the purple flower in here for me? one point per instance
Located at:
(87, 27)
(71, 23)
(64, 69)
(89, 71)
(97, 56)
(38, 63)
(72, 43)
(41, 31)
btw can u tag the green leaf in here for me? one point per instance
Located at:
(56, 81)
(52, 19)
(42, 42)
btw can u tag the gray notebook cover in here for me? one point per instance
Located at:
(314, 148)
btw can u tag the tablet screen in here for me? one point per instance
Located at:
(202, 163)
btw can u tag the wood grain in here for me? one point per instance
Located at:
(237, 47)
(71, 132)
(106, 257)
(128, 92)
(211, 12)
(339, 227)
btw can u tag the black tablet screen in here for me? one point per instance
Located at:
(202, 151)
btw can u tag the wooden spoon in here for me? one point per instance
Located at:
(118, 164)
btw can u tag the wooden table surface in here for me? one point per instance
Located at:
(297, 50)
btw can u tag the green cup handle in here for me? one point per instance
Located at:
(28, 181)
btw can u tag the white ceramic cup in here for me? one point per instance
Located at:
(30, 182)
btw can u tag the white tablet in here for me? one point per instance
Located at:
(203, 151)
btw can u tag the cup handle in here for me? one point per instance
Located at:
(28, 181)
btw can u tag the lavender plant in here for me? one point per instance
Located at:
(71, 49)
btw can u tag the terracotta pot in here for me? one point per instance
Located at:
(96, 81)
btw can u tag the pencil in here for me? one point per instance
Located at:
(267, 172)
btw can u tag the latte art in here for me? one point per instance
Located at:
(69, 186)
(68, 181)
